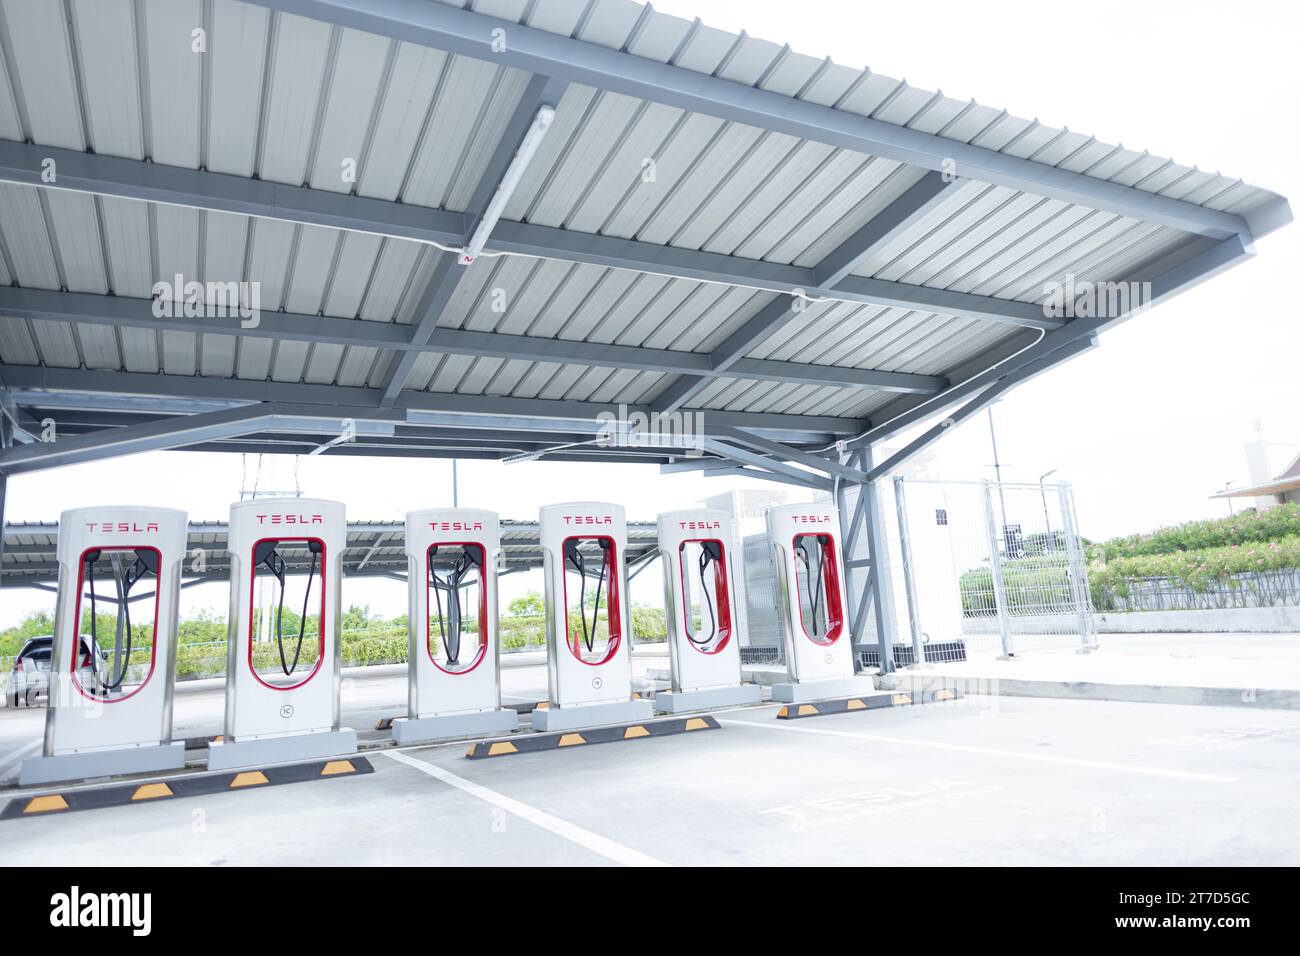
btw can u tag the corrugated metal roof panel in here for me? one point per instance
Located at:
(295, 101)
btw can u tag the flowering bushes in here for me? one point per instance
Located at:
(1263, 570)
(1249, 559)
(1248, 527)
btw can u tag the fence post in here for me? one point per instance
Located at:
(1078, 565)
(909, 571)
(995, 565)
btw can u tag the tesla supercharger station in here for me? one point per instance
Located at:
(282, 671)
(812, 604)
(452, 557)
(703, 591)
(588, 624)
(113, 665)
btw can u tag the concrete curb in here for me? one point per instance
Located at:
(1279, 699)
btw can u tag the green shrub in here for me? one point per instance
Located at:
(201, 647)
(1241, 529)
(1198, 570)
(1032, 585)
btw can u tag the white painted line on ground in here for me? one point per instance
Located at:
(993, 752)
(17, 755)
(576, 834)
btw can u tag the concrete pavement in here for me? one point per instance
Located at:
(986, 781)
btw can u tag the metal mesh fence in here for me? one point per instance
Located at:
(999, 567)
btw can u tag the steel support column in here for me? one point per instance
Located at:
(866, 558)
(909, 570)
(6, 441)
(882, 595)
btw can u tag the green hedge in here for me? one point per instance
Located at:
(1031, 584)
(1196, 555)
(389, 645)
(1248, 527)
(1198, 570)
(201, 648)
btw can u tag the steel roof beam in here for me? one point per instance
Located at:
(1165, 283)
(442, 285)
(252, 447)
(828, 466)
(116, 311)
(449, 272)
(891, 222)
(468, 33)
(785, 428)
(34, 383)
(545, 242)
(979, 403)
(743, 456)
(129, 439)
(919, 200)
(167, 433)
(106, 175)
(134, 179)
(728, 470)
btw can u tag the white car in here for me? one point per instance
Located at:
(30, 678)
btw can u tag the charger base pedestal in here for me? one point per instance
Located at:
(710, 698)
(102, 763)
(804, 692)
(592, 715)
(233, 754)
(485, 723)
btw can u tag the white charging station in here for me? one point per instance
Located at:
(703, 590)
(584, 547)
(113, 664)
(452, 557)
(812, 604)
(282, 671)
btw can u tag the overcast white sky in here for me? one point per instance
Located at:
(1146, 427)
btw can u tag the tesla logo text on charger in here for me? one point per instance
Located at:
(290, 519)
(699, 525)
(810, 519)
(455, 526)
(588, 519)
(121, 527)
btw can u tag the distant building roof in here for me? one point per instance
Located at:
(1289, 480)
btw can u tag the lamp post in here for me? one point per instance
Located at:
(1226, 486)
(1047, 519)
(997, 470)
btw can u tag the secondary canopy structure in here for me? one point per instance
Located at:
(660, 215)
(374, 549)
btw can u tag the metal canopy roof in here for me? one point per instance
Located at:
(820, 253)
(374, 549)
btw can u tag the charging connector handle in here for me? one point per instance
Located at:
(573, 555)
(146, 562)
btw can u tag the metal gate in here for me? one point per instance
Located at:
(998, 566)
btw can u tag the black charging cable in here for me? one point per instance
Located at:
(814, 580)
(710, 553)
(449, 627)
(573, 555)
(267, 554)
(146, 562)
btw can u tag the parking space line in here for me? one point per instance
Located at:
(992, 752)
(18, 755)
(575, 834)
